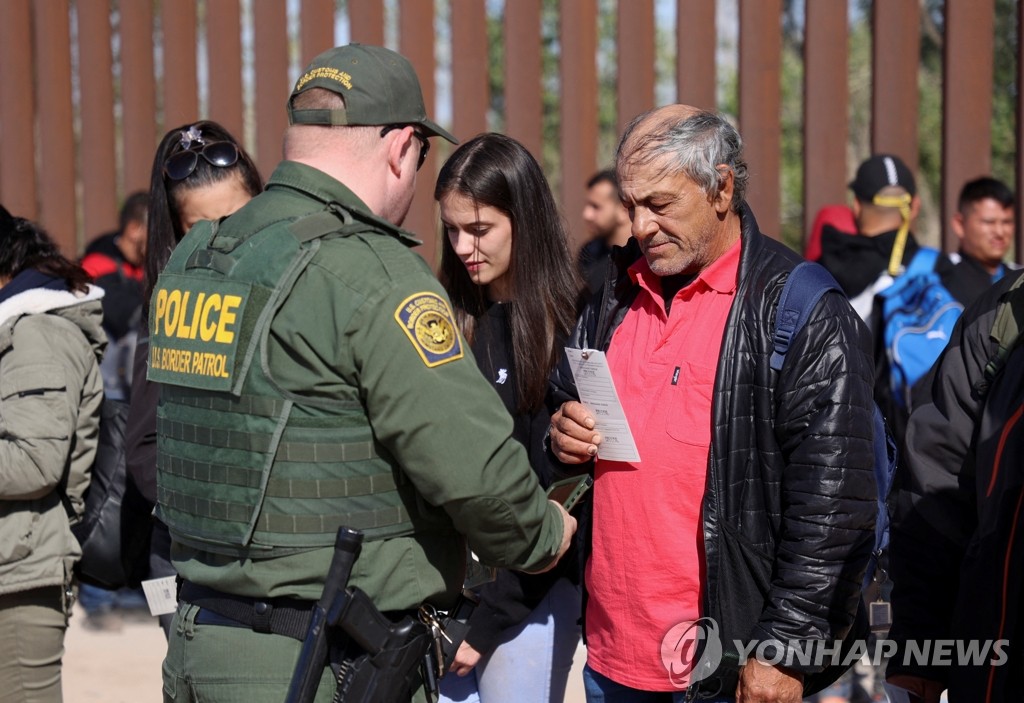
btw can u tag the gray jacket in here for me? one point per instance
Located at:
(51, 342)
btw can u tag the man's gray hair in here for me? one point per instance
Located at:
(695, 146)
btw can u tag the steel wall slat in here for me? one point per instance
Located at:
(696, 38)
(57, 198)
(181, 92)
(470, 82)
(578, 137)
(523, 105)
(825, 106)
(272, 85)
(17, 115)
(224, 49)
(367, 20)
(760, 100)
(895, 27)
(99, 184)
(967, 102)
(636, 42)
(416, 39)
(316, 28)
(138, 94)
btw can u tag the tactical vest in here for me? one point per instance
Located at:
(245, 468)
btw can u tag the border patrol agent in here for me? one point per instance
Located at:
(313, 377)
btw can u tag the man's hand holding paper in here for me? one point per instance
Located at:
(597, 426)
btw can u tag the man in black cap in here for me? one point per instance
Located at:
(885, 205)
(304, 389)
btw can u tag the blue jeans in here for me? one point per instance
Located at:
(601, 689)
(94, 599)
(531, 661)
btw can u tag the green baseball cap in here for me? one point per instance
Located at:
(380, 87)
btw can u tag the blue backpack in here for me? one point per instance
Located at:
(918, 315)
(806, 284)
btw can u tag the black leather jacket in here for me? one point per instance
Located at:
(790, 503)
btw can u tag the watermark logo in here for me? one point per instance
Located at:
(691, 651)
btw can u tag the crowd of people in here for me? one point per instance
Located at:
(293, 367)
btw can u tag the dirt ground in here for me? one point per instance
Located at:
(124, 667)
(113, 667)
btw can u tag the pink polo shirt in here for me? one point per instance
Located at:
(644, 572)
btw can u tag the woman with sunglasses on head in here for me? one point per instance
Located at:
(514, 287)
(51, 389)
(200, 172)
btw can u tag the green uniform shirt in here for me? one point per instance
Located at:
(348, 331)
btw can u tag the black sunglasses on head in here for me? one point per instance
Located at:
(181, 165)
(424, 142)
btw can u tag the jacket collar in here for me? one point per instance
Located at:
(316, 184)
(29, 279)
(39, 300)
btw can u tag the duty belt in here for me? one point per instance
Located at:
(280, 616)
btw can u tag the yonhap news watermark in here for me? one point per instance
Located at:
(691, 651)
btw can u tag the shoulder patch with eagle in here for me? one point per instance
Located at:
(427, 320)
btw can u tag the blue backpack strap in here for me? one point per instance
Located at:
(802, 291)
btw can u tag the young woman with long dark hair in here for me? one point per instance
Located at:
(514, 286)
(200, 172)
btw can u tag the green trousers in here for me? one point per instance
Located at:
(207, 663)
(32, 627)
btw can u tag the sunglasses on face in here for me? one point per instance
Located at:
(424, 142)
(181, 165)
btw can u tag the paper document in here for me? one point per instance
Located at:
(161, 595)
(597, 392)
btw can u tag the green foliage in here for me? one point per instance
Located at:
(496, 71)
(792, 148)
(551, 122)
(607, 96)
(1004, 91)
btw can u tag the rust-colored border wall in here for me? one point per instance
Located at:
(17, 118)
(57, 197)
(760, 100)
(825, 104)
(224, 57)
(316, 28)
(272, 85)
(367, 20)
(137, 75)
(138, 94)
(967, 102)
(896, 28)
(181, 96)
(696, 39)
(416, 36)
(578, 107)
(99, 177)
(522, 73)
(470, 82)
(636, 59)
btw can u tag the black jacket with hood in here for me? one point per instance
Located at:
(957, 553)
(790, 501)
